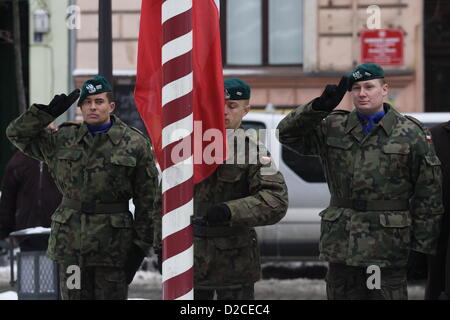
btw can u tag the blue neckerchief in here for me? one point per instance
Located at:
(99, 129)
(368, 122)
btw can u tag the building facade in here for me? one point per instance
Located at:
(286, 50)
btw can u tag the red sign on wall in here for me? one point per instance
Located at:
(382, 46)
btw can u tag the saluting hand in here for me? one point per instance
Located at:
(331, 96)
(60, 103)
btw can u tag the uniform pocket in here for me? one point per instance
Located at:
(397, 158)
(252, 202)
(231, 182)
(340, 159)
(395, 220)
(392, 240)
(331, 214)
(119, 243)
(66, 162)
(62, 216)
(62, 240)
(270, 200)
(121, 166)
(126, 161)
(339, 143)
(68, 154)
(396, 148)
(434, 162)
(121, 222)
(333, 234)
(237, 258)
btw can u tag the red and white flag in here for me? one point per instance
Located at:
(180, 96)
(208, 91)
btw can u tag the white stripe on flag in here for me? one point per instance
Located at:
(177, 131)
(217, 5)
(177, 47)
(177, 174)
(176, 89)
(177, 219)
(178, 264)
(172, 8)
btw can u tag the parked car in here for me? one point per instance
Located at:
(296, 236)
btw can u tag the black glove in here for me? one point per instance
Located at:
(133, 262)
(60, 103)
(218, 214)
(331, 96)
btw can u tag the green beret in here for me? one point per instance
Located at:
(364, 72)
(96, 85)
(236, 89)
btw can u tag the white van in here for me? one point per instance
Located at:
(296, 236)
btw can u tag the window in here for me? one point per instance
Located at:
(244, 21)
(262, 32)
(285, 36)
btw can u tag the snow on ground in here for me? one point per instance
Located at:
(8, 295)
(147, 285)
(4, 274)
(148, 278)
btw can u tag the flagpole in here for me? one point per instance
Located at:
(177, 168)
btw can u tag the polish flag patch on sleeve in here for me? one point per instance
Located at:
(429, 139)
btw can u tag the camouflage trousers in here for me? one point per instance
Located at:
(246, 292)
(95, 283)
(350, 283)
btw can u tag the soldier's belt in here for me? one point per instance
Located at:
(95, 208)
(370, 205)
(215, 232)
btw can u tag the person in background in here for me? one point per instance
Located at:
(28, 199)
(438, 283)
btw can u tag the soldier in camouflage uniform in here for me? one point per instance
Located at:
(98, 166)
(385, 184)
(237, 197)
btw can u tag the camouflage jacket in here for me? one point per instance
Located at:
(108, 168)
(396, 161)
(228, 256)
